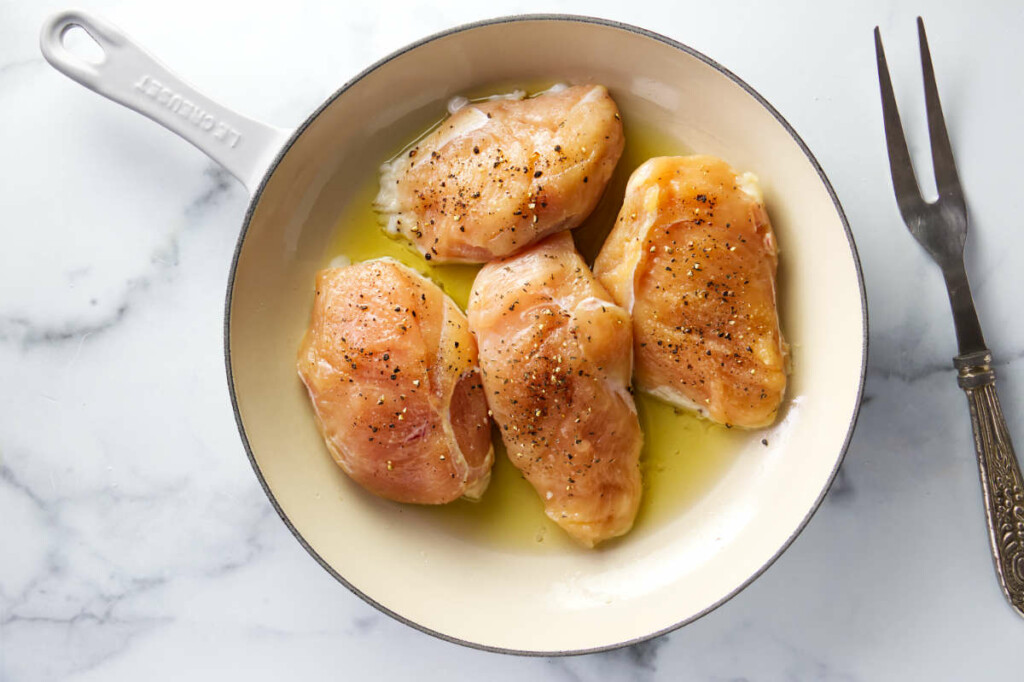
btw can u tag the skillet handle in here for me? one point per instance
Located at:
(129, 75)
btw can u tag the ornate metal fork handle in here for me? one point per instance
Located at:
(941, 228)
(1002, 485)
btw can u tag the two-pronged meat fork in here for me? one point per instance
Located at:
(940, 227)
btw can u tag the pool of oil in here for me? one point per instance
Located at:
(683, 456)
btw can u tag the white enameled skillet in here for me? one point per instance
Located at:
(478, 594)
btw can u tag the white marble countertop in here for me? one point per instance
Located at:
(135, 543)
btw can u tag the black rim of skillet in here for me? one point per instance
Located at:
(507, 20)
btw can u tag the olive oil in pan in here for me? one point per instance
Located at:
(683, 456)
(359, 236)
(682, 459)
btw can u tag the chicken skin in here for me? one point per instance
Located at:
(693, 258)
(499, 175)
(556, 359)
(391, 369)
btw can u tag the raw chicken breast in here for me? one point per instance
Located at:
(499, 175)
(391, 369)
(692, 256)
(556, 357)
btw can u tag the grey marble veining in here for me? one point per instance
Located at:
(135, 541)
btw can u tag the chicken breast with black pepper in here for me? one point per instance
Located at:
(693, 258)
(391, 369)
(499, 175)
(556, 356)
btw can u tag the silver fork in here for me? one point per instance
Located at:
(940, 227)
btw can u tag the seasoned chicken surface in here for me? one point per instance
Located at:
(693, 257)
(499, 175)
(391, 369)
(556, 359)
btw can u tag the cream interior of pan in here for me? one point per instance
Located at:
(570, 599)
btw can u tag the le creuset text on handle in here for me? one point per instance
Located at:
(130, 76)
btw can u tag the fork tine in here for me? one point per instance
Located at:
(946, 178)
(908, 194)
